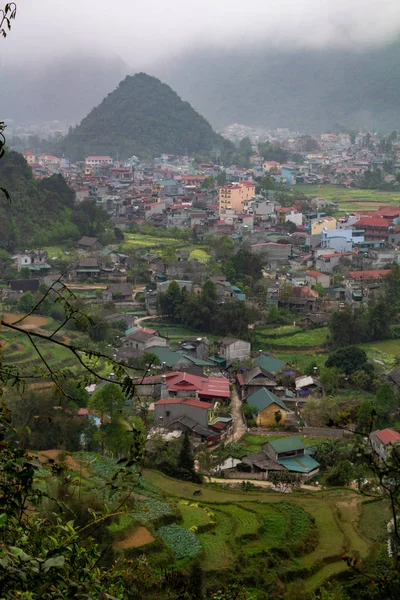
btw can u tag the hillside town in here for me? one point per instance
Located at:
(317, 260)
(199, 321)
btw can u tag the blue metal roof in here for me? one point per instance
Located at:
(299, 464)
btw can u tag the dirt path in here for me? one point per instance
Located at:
(140, 320)
(259, 483)
(239, 427)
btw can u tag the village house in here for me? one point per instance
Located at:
(383, 442)
(170, 410)
(89, 244)
(96, 161)
(318, 278)
(184, 385)
(375, 228)
(24, 285)
(302, 300)
(288, 454)
(232, 349)
(34, 260)
(364, 286)
(86, 268)
(273, 366)
(269, 409)
(327, 263)
(252, 381)
(196, 347)
(29, 157)
(117, 293)
(141, 340)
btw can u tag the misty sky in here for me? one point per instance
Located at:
(142, 32)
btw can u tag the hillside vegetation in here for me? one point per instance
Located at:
(41, 212)
(142, 117)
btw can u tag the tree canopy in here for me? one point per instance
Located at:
(42, 211)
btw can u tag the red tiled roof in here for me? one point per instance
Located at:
(389, 211)
(219, 425)
(186, 401)
(314, 273)
(212, 387)
(388, 435)
(147, 330)
(373, 274)
(240, 379)
(372, 222)
(82, 412)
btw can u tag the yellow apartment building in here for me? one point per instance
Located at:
(234, 195)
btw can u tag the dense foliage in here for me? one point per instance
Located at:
(142, 117)
(204, 312)
(42, 212)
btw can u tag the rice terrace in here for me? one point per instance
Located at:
(296, 538)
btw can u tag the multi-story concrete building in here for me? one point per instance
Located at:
(235, 195)
(95, 161)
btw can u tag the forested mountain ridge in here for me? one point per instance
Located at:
(41, 211)
(142, 117)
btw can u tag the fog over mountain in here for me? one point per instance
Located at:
(65, 89)
(309, 64)
(305, 89)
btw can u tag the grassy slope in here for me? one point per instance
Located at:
(331, 537)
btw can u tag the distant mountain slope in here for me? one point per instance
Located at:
(143, 117)
(310, 90)
(63, 90)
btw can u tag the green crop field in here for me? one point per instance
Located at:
(247, 523)
(303, 533)
(139, 240)
(176, 333)
(292, 338)
(350, 199)
(374, 519)
(193, 516)
(216, 543)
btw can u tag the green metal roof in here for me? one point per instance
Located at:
(287, 444)
(270, 364)
(130, 330)
(220, 360)
(165, 355)
(91, 270)
(38, 266)
(264, 398)
(198, 362)
(299, 464)
(241, 297)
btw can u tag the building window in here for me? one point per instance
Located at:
(167, 413)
